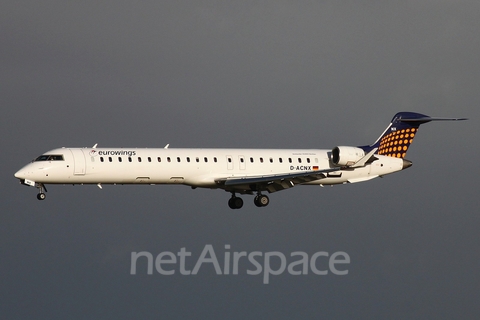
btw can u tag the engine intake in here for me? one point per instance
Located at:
(346, 156)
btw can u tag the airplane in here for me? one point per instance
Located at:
(237, 171)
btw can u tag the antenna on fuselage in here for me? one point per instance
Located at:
(166, 147)
(95, 146)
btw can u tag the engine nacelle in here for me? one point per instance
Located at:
(346, 156)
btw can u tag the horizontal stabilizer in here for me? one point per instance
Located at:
(421, 120)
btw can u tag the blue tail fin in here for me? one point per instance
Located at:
(397, 138)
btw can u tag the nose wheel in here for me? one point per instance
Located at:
(41, 191)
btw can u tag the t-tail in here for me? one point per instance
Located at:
(399, 135)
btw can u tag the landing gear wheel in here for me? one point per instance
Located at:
(261, 200)
(230, 203)
(256, 201)
(41, 191)
(235, 202)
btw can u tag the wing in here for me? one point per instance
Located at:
(278, 182)
(272, 183)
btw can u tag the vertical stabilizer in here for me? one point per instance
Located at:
(399, 135)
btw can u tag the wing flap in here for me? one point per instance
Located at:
(272, 183)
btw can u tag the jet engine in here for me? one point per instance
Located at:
(346, 156)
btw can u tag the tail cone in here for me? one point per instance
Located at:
(406, 164)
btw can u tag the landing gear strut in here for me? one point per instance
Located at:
(235, 202)
(261, 200)
(41, 191)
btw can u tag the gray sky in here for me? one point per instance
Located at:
(240, 74)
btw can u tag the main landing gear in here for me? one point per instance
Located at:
(260, 200)
(235, 202)
(41, 191)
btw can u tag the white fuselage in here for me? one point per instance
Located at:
(238, 171)
(193, 167)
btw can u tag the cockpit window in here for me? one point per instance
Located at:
(50, 157)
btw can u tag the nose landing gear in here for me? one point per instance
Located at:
(41, 191)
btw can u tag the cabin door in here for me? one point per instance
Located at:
(79, 165)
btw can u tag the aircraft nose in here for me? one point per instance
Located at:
(19, 174)
(23, 173)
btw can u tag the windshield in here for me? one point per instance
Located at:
(49, 157)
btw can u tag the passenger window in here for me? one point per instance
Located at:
(206, 159)
(101, 159)
(149, 159)
(271, 160)
(308, 160)
(168, 159)
(178, 159)
(299, 160)
(251, 159)
(197, 159)
(159, 159)
(261, 160)
(214, 159)
(119, 159)
(241, 160)
(109, 159)
(229, 159)
(280, 160)
(139, 159)
(129, 159)
(290, 160)
(188, 159)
